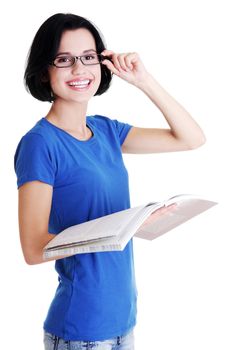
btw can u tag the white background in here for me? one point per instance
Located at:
(184, 277)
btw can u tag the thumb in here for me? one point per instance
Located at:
(108, 63)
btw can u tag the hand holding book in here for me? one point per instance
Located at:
(113, 232)
(157, 213)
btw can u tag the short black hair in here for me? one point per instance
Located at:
(44, 49)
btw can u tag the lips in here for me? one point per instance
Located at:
(79, 83)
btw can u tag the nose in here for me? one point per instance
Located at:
(78, 66)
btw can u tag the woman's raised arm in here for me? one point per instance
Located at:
(183, 132)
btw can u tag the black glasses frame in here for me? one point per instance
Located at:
(76, 58)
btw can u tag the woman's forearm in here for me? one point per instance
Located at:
(182, 125)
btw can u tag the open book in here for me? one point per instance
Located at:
(113, 232)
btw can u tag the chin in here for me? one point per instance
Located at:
(78, 96)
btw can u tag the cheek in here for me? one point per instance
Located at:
(54, 80)
(98, 75)
(58, 85)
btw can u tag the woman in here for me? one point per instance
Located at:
(70, 169)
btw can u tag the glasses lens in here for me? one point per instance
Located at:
(91, 59)
(64, 61)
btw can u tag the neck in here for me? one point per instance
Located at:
(68, 116)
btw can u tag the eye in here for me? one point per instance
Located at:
(63, 59)
(90, 57)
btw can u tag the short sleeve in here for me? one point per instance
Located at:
(33, 160)
(122, 129)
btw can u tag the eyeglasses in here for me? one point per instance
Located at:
(87, 60)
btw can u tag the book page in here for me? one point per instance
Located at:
(103, 227)
(184, 211)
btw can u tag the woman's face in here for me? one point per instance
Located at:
(79, 82)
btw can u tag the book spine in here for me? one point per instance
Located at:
(81, 250)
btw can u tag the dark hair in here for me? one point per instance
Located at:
(44, 48)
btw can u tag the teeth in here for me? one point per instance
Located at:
(79, 83)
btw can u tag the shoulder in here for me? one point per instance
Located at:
(106, 122)
(40, 130)
(102, 124)
(33, 159)
(111, 127)
(39, 134)
(35, 142)
(100, 120)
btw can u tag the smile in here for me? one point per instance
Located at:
(79, 84)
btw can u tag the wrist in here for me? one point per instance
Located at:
(149, 85)
(146, 82)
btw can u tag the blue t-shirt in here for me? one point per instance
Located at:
(96, 294)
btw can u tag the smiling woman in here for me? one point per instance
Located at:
(45, 48)
(70, 170)
(69, 73)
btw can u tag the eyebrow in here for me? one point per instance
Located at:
(68, 53)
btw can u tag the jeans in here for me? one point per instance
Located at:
(126, 342)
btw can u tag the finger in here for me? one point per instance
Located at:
(171, 206)
(111, 67)
(107, 52)
(121, 59)
(130, 59)
(164, 209)
(114, 59)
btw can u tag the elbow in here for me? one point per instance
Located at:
(32, 259)
(196, 142)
